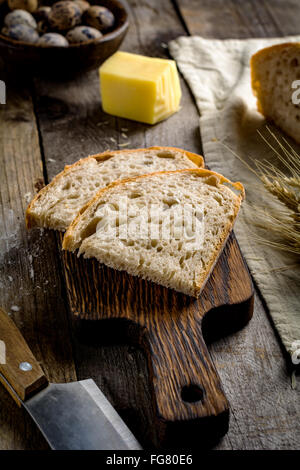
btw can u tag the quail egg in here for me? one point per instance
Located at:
(42, 13)
(53, 40)
(18, 17)
(82, 5)
(82, 34)
(21, 32)
(99, 17)
(64, 15)
(28, 5)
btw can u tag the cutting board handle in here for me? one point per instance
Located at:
(22, 373)
(185, 381)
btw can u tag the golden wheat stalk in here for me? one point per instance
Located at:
(281, 225)
(285, 186)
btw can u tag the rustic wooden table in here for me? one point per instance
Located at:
(47, 124)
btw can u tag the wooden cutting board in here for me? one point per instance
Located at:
(171, 328)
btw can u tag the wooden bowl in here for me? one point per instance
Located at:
(60, 61)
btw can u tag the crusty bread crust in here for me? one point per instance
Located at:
(29, 216)
(263, 53)
(68, 242)
(260, 57)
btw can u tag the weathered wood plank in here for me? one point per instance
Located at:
(265, 409)
(240, 18)
(30, 285)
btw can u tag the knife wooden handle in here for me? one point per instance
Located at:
(17, 363)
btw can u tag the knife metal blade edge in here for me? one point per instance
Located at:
(77, 416)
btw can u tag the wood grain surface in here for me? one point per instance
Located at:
(45, 126)
(168, 325)
(30, 285)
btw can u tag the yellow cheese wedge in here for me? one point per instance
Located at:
(141, 88)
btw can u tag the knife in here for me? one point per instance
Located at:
(72, 416)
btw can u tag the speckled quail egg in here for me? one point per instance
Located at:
(28, 5)
(21, 32)
(17, 17)
(42, 13)
(82, 5)
(53, 40)
(83, 34)
(99, 17)
(64, 15)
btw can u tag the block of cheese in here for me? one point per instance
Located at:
(140, 88)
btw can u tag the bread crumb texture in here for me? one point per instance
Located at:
(174, 262)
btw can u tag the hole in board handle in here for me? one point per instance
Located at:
(192, 393)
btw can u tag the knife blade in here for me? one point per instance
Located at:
(72, 416)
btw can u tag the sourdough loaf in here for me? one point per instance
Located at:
(273, 71)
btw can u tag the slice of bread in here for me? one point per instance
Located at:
(58, 203)
(173, 258)
(273, 70)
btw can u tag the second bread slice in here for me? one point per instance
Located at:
(108, 228)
